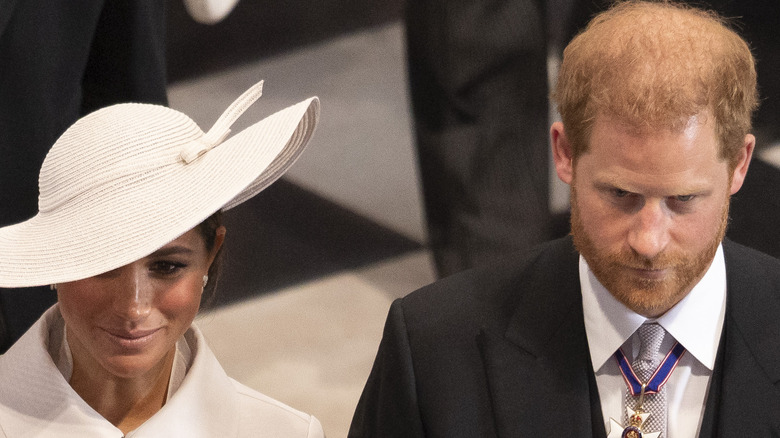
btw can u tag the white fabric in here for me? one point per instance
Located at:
(37, 401)
(771, 154)
(696, 322)
(209, 11)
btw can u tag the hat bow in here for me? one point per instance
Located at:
(221, 128)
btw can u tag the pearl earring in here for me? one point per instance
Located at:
(205, 280)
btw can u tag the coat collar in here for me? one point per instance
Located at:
(744, 395)
(753, 304)
(37, 400)
(539, 371)
(205, 405)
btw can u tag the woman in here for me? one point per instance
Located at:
(128, 232)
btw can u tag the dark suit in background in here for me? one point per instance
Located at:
(60, 60)
(478, 77)
(501, 351)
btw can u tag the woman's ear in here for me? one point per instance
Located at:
(562, 153)
(219, 239)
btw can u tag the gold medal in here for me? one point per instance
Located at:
(636, 418)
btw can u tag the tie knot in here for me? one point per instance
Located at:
(650, 337)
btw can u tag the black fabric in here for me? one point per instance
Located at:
(58, 63)
(502, 351)
(755, 209)
(478, 77)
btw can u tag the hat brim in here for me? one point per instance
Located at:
(74, 243)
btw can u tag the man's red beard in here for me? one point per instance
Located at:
(648, 297)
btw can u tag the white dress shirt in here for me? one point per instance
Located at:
(695, 322)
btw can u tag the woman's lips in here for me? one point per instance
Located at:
(132, 339)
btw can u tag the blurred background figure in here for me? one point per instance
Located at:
(478, 81)
(60, 61)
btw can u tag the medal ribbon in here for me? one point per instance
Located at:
(658, 379)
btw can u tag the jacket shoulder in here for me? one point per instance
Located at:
(489, 294)
(746, 263)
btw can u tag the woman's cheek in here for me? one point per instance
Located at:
(181, 299)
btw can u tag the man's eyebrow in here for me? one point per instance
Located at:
(609, 182)
(172, 250)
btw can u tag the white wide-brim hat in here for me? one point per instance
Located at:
(127, 179)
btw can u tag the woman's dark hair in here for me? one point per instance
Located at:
(208, 230)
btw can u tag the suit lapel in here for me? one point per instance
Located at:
(539, 371)
(744, 395)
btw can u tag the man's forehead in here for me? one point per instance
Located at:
(666, 152)
(670, 125)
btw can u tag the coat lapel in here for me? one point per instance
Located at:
(539, 372)
(744, 395)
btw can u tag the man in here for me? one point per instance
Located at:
(656, 101)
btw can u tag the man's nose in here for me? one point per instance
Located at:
(134, 294)
(649, 233)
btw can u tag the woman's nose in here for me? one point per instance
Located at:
(134, 295)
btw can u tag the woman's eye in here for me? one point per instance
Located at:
(167, 268)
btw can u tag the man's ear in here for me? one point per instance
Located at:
(562, 153)
(745, 154)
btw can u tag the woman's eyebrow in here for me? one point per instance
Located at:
(172, 250)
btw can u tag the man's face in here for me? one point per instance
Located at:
(649, 210)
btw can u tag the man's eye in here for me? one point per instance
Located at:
(684, 198)
(619, 193)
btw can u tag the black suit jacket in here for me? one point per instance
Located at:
(502, 351)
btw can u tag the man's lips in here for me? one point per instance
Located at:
(653, 273)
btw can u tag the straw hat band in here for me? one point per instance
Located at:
(127, 179)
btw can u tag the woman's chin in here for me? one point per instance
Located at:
(132, 366)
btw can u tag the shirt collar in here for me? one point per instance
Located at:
(695, 322)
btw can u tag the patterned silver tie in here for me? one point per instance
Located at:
(650, 336)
